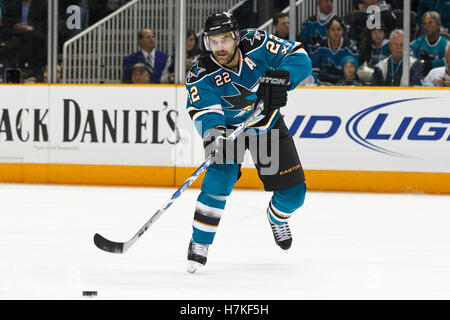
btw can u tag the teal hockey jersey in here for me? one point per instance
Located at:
(221, 96)
(435, 51)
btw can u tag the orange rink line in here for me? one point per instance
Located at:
(317, 180)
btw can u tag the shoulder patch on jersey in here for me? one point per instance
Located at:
(251, 39)
(201, 68)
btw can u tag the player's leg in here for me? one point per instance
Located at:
(287, 183)
(217, 184)
(283, 203)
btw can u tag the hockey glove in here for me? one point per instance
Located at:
(273, 90)
(215, 141)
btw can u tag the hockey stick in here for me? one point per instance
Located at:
(121, 247)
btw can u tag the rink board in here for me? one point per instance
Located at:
(358, 139)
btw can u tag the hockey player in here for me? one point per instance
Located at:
(222, 88)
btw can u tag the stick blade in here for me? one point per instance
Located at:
(108, 245)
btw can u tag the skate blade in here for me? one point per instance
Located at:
(193, 266)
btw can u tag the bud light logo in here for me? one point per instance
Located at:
(379, 128)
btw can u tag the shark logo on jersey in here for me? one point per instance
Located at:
(253, 35)
(331, 65)
(195, 71)
(316, 37)
(242, 100)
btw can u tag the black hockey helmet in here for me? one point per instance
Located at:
(218, 23)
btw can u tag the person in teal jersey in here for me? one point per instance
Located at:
(374, 47)
(222, 87)
(430, 48)
(326, 56)
(314, 29)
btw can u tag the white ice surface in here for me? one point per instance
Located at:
(346, 246)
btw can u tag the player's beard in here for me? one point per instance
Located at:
(224, 57)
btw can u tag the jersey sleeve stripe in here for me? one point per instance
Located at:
(264, 123)
(194, 113)
(298, 49)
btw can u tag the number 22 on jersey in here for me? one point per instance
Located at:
(193, 94)
(272, 46)
(222, 78)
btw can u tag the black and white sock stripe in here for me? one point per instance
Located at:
(277, 216)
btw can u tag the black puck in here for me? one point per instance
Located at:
(90, 293)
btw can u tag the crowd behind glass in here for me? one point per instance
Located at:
(353, 50)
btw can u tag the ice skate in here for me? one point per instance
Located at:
(281, 234)
(197, 256)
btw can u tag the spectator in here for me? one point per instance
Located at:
(430, 48)
(192, 53)
(440, 76)
(440, 6)
(281, 25)
(388, 72)
(314, 29)
(373, 48)
(327, 55)
(26, 22)
(156, 62)
(349, 64)
(192, 48)
(140, 75)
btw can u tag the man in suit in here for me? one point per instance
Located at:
(156, 62)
